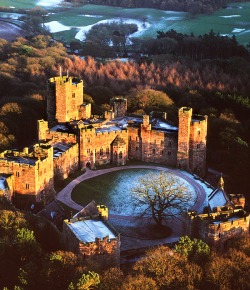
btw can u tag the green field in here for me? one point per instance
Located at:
(25, 4)
(224, 21)
(161, 20)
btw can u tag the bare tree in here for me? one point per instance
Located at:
(161, 196)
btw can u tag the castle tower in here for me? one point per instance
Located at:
(85, 111)
(43, 128)
(185, 116)
(65, 95)
(145, 138)
(197, 144)
(119, 106)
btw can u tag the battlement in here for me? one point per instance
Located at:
(186, 111)
(65, 79)
(103, 211)
(216, 228)
(221, 216)
(198, 119)
(238, 200)
(118, 100)
(24, 158)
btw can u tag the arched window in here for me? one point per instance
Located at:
(101, 151)
(107, 151)
(115, 155)
(120, 155)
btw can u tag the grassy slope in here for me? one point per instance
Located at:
(159, 20)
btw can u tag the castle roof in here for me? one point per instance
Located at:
(218, 197)
(89, 230)
(88, 210)
(53, 212)
(20, 159)
(3, 184)
(60, 147)
(118, 141)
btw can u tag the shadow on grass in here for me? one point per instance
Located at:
(141, 229)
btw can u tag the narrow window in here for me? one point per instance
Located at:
(169, 143)
(88, 151)
(162, 142)
(120, 155)
(198, 132)
(162, 152)
(155, 141)
(88, 139)
(27, 186)
(73, 95)
(129, 138)
(136, 148)
(198, 146)
(153, 151)
(107, 151)
(101, 151)
(17, 174)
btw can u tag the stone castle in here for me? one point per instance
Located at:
(73, 139)
(225, 219)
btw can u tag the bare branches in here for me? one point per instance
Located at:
(164, 194)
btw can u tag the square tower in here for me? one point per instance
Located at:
(65, 96)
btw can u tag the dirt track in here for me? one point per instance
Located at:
(10, 31)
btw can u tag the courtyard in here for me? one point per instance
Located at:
(136, 232)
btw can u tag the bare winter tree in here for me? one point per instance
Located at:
(161, 196)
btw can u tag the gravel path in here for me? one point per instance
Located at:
(65, 194)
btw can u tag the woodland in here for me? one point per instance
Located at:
(192, 6)
(216, 87)
(180, 70)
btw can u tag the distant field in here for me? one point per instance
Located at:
(71, 23)
(28, 4)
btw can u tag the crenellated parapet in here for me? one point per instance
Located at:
(217, 227)
(93, 238)
(33, 174)
(238, 200)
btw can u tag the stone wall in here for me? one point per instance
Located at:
(103, 252)
(45, 134)
(185, 115)
(33, 181)
(216, 228)
(96, 148)
(119, 107)
(65, 96)
(85, 111)
(67, 162)
(197, 145)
